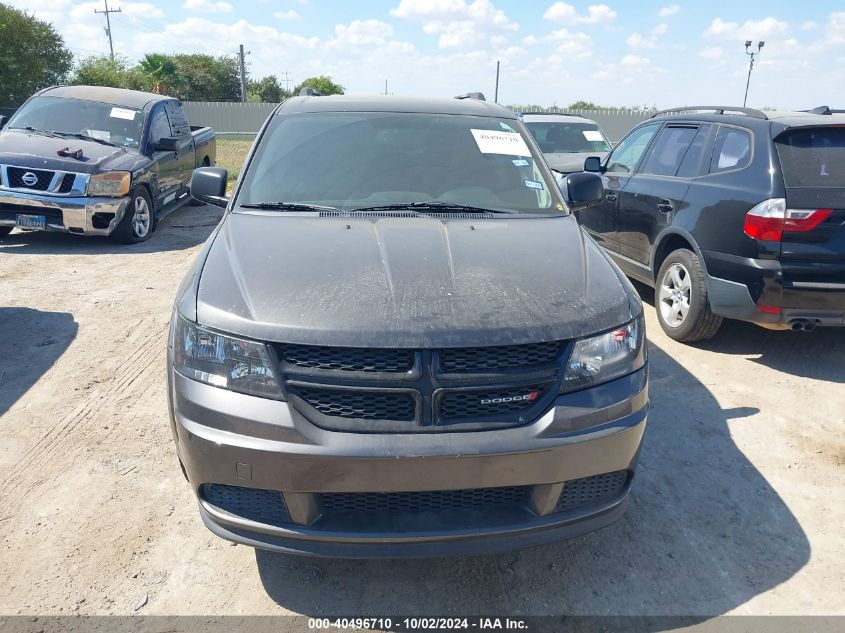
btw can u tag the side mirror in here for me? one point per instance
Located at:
(208, 184)
(166, 144)
(583, 190)
(3, 120)
(592, 164)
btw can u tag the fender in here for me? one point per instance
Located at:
(675, 230)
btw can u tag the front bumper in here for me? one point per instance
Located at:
(67, 214)
(266, 451)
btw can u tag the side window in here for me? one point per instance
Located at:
(178, 121)
(691, 165)
(732, 149)
(669, 149)
(626, 155)
(159, 125)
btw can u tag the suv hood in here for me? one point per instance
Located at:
(570, 162)
(29, 149)
(407, 282)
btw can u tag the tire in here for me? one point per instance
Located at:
(138, 216)
(680, 298)
(5, 230)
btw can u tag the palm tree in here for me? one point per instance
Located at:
(162, 73)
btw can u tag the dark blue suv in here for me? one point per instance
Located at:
(729, 213)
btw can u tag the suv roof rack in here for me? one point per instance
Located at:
(478, 96)
(308, 91)
(752, 112)
(824, 110)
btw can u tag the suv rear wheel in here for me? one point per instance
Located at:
(683, 308)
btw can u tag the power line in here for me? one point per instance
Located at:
(108, 24)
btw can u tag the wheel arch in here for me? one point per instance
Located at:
(671, 239)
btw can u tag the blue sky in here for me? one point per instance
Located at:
(615, 53)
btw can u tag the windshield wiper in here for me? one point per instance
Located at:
(85, 137)
(29, 128)
(446, 207)
(287, 206)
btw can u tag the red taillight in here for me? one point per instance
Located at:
(770, 219)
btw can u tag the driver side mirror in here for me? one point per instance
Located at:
(592, 164)
(3, 120)
(208, 184)
(166, 144)
(583, 190)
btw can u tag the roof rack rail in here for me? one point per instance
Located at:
(824, 110)
(478, 96)
(752, 112)
(308, 91)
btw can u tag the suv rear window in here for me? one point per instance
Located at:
(732, 149)
(812, 157)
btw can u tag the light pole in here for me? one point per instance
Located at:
(750, 64)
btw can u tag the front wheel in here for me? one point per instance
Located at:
(137, 223)
(683, 308)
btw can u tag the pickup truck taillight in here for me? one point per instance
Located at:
(769, 219)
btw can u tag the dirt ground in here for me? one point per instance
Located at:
(737, 506)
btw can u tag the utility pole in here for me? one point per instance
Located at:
(385, 87)
(496, 94)
(287, 80)
(108, 24)
(243, 73)
(750, 65)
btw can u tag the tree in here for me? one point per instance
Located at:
(101, 71)
(266, 90)
(207, 78)
(161, 73)
(322, 84)
(32, 56)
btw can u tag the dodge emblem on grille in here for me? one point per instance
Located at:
(530, 396)
(29, 179)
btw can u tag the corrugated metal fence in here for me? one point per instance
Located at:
(246, 118)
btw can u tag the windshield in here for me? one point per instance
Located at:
(352, 160)
(567, 138)
(104, 121)
(813, 157)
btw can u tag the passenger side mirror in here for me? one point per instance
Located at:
(592, 164)
(208, 184)
(166, 144)
(3, 120)
(582, 190)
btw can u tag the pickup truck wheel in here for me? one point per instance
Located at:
(5, 230)
(137, 223)
(683, 308)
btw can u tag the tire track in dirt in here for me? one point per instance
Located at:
(67, 437)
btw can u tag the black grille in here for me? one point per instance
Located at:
(16, 175)
(262, 506)
(579, 493)
(360, 405)
(479, 359)
(348, 358)
(426, 501)
(471, 404)
(67, 183)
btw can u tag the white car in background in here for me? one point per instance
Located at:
(566, 139)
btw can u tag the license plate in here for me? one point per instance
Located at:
(37, 222)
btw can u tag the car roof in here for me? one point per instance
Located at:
(103, 94)
(555, 118)
(784, 119)
(387, 103)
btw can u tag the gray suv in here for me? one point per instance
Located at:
(399, 342)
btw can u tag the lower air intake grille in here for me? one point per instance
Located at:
(348, 358)
(360, 405)
(480, 359)
(579, 493)
(425, 501)
(262, 506)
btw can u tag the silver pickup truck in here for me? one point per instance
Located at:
(98, 161)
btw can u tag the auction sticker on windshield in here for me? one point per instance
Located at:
(122, 113)
(592, 135)
(493, 142)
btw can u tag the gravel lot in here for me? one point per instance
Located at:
(737, 506)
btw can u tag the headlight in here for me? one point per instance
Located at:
(111, 183)
(224, 361)
(605, 357)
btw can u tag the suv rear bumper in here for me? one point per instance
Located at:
(738, 287)
(279, 472)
